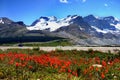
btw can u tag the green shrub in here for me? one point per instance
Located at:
(36, 49)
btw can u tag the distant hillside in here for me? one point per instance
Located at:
(86, 31)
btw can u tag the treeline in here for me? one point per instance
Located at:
(28, 39)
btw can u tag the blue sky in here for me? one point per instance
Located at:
(30, 10)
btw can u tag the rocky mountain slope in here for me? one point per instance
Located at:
(9, 28)
(86, 31)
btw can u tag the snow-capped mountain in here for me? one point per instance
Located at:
(89, 30)
(113, 21)
(103, 25)
(50, 23)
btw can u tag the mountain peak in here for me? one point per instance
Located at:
(81, 30)
(109, 18)
(45, 18)
(51, 18)
(1, 21)
(112, 20)
(21, 23)
(5, 20)
(52, 24)
(72, 16)
(90, 17)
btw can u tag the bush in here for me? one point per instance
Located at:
(36, 49)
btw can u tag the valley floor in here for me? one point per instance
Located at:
(102, 49)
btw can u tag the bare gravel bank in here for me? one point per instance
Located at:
(103, 49)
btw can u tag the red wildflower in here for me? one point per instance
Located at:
(30, 67)
(22, 58)
(17, 64)
(96, 69)
(69, 70)
(91, 68)
(106, 71)
(56, 66)
(85, 71)
(102, 76)
(97, 59)
(74, 73)
(11, 62)
(104, 63)
(23, 65)
(118, 68)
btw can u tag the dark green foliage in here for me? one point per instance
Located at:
(78, 72)
(61, 42)
(28, 39)
(36, 49)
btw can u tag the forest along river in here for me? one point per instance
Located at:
(103, 49)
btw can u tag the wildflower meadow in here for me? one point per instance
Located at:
(26, 64)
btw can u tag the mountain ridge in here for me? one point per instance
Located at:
(67, 21)
(88, 30)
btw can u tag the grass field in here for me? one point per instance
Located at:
(35, 64)
(63, 42)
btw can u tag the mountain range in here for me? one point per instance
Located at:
(85, 31)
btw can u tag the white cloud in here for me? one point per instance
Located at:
(106, 5)
(84, 1)
(64, 1)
